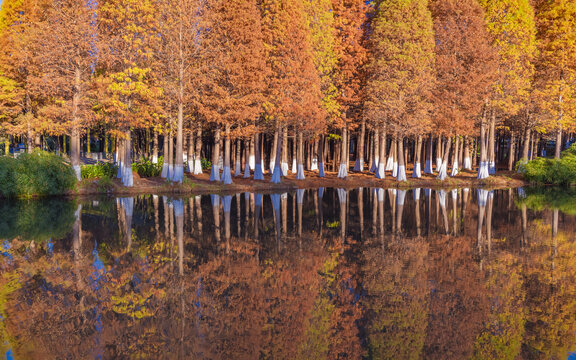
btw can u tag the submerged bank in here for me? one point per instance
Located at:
(201, 183)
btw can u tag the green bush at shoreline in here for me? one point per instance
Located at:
(546, 171)
(37, 174)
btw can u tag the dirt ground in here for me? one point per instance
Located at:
(201, 183)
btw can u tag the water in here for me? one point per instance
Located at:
(312, 274)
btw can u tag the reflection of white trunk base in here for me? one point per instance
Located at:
(454, 169)
(238, 169)
(314, 165)
(380, 193)
(343, 171)
(246, 171)
(128, 179)
(227, 176)
(215, 173)
(483, 170)
(300, 196)
(442, 197)
(375, 163)
(276, 175)
(284, 168)
(401, 176)
(428, 167)
(394, 169)
(390, 164)
(197, 167)
(467, 164)
(252, 162)
(300, 173)
(178, 174)
(443, 172)
(78, 172)
(416, 173)
(482, 197)
(380, 173)
(416, 193)
(359, 165)
(401, 197)
(154, 159)
(492, 168)
(321, 169)
(294, 167)
(454, 194)
(258, 174)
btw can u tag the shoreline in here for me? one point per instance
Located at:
(201, 184)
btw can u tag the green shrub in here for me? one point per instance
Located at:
(42, 173)
(145, 168)
(206, 164)
(99, 171)
(8, 177)
(552, 171)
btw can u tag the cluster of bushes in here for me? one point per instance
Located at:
(552, 171)
(99, 171)
(39, 173)
(145, 167)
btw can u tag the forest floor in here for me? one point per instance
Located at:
(201, 184)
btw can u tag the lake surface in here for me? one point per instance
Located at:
(313, 274)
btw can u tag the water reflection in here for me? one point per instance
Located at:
(323, 273)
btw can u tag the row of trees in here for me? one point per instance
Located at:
(391, 81)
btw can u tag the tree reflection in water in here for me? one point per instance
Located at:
(310, 274)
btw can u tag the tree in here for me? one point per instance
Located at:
(236, 63)
(556, 68)
(402, 70)
(465, 72)
(129, 89)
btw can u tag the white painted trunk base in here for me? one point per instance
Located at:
(128, 179)
(438, 163)
(78, 172)
(197, 167)
(252, 162)
(428, 167)
(258, 174)
(375, 164)
(390, 164)
(401, 176)
(454, 169)
(443, 172)
(276, 175)
(178, 175)
(483, 170)
(246, 171)
(492, 168)
(343, 171)
(417, 173)
(238, 169)
(227, 176)
(467, 163)
(321, 169)
(314, 165)
(215, 173)
(380, 171)
(294, 167)
(359, 165)
(394, 169)
(170, 175)
(300, 173)
(285, 168)
(154, 159)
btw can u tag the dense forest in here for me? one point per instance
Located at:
(288, 85)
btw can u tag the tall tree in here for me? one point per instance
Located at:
(556, 68)
(465, 65)
(129, 29)
(402, 69)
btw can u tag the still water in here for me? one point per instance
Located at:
(313, 274)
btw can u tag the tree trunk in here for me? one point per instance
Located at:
(343, 168)
(285, 151)
(274, 150)
(215, 172)
(359, 163)
(300, 157)
(321, 157)
(455, 156)
(492, 145)
(443, 172)
(277, 171)
(483, 166)
(380, 155)
(258, 173)
(75, 133)
(401, 172)
(227, 173)
(416, 173)
(512, 153)
(376, 152)
(238, 159)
